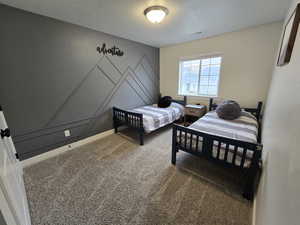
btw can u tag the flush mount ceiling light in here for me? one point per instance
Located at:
(156, 14)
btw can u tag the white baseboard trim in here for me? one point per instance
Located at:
(264, 165)
(254, 212)
(65, 148)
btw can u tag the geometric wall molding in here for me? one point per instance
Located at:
(56, 80)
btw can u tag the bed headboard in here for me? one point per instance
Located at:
(254, 111)
(182, 102)
(179, 101)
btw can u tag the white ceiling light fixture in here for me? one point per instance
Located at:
(156, 14)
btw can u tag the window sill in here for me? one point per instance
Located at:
(200, 96)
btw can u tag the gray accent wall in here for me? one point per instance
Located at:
(53, 79)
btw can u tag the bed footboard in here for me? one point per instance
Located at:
(222, 150)
(130, 119)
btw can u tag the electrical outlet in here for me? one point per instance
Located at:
(67, 133)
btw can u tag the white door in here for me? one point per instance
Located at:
(13, 204)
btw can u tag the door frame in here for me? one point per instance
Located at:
(6, 210)
(7, 205)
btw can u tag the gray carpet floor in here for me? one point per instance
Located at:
(115, 181)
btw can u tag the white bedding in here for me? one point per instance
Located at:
(245, 128)
(155, 117)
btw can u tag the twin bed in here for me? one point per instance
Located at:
(231, 143)
(146, 119)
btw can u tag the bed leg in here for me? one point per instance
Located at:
(141, 137)
(174, 151)
(182, 119)
(249, 189)
(115, 125)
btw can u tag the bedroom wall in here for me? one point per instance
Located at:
(248, 58)
(2, 221)
(278, 200)
(53, 79)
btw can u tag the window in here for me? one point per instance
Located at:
(200, 77)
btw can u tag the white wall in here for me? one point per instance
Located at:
(248, 59)
(278, 199)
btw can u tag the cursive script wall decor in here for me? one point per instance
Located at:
(112, 51)
(87, 85)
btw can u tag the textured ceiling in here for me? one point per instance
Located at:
(124, 18)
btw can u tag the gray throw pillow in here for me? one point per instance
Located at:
(229, 110)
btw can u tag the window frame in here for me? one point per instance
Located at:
(181, 60)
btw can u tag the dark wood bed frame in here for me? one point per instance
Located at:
(183, 139)
(134, 120)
